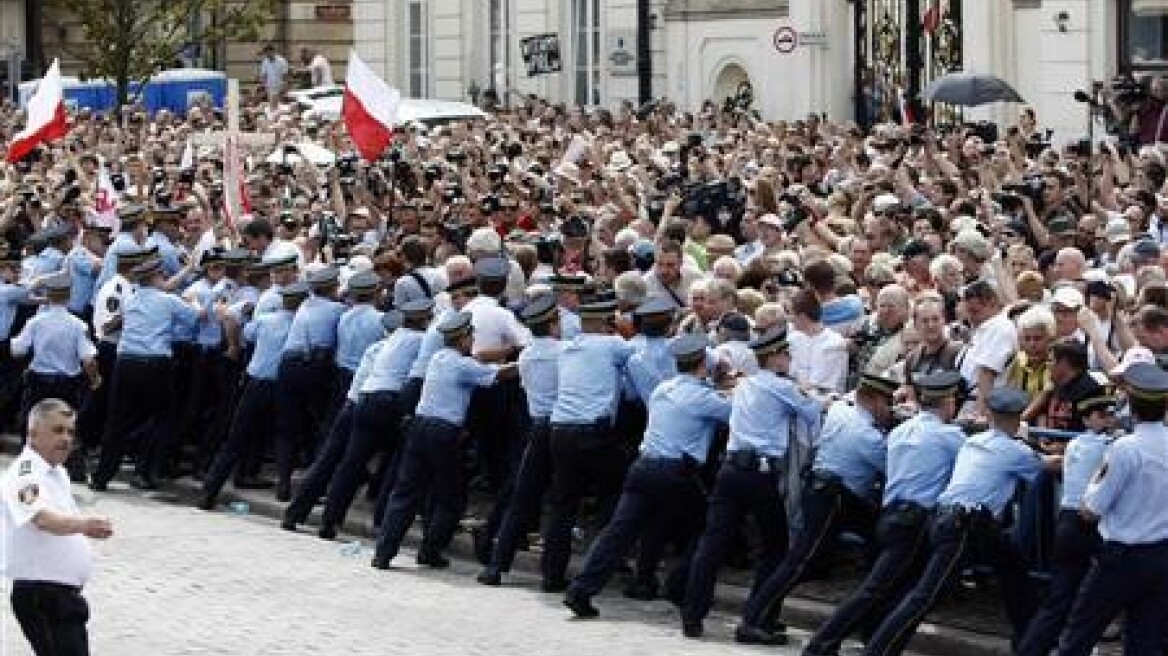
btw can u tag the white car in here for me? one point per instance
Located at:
(324, 103)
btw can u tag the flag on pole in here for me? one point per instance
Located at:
(369, 109)
(236, 203)
(105, 204)
(47, 119)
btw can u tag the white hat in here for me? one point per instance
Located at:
(1117, 231)
(771, 219)
(885, 202)
(484, 240)
(670, 148)
(1068, 297)
(569, 171)
(1135, 355)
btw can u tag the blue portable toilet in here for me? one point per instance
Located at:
(177, 89)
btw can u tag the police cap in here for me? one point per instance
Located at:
(772, 341)
(279, 261)
(568, 283)
(540, 311)
(878, 384)
(135, 255)
(1104, 402)
(688, 348)
(58, 284)
(655, 308)
(1009, 401)
(597, 309)
(419, 308)
(492, 268)
(938, 384)
(322, 277)
(236, 256)
(363, 282)
(298, 288)
(1147, 381)
(147, 268)
(461, 285)
(131, 215)
(391, 320)
(456, 324)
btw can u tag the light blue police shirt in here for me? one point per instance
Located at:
(539, 371)
(590, 367)
(651, 364)
(109, 266)
(431, 342)
(988, 468)
(148, 318)
(684, 412)
(450, 380)
(1082, 458)
(392, 367)
(921, 453)
(11, 298)
(765, 405)
(364, 369)
(315, 325)
(58, 340)
(82, 278)
(359, 327)
(1130, 493)
(267, 333)
(851, 447)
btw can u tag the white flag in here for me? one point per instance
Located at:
(188, 157)
(105, 204)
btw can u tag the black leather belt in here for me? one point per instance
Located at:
(22, 584)
(750, 461)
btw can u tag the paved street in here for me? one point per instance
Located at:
(174, 580)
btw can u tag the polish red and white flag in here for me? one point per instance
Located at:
(47, 119)
(369, 109)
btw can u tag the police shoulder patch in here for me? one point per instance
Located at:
(29, 494)
(112, 304)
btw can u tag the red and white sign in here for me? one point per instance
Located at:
(105, 201)
(47, 120)
(369, 109)
(786, 39)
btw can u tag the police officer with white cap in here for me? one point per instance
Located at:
(840, 485)
(46, 553)
(970, 509)
(764, 406)
(357, 328)
(921, 453)
(1129, 499)
(539, 371)
(431, 457)
(662, 488)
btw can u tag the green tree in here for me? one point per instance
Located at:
(128, 41)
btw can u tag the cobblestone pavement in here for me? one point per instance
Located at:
(177, 581)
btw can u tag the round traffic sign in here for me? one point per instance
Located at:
(786, 39)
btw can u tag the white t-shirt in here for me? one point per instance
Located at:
(819, 360)
(322, 73)
(990, 346)
(29, 486)
(495, 327)
(272, 72)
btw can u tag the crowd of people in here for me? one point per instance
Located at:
(688, 318)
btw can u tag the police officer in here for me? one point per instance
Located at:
(283, 271)
(651, 363)
(840, 485)
(202, 384)
(583, 448)
(431, 456)
(921, 453)
(1076, 538)
(378, 415)
(662, 486)
(61, 351)
(568, 289)
(131, 236)
(165, 232)
(48, 556)
(57, 239)
(140, 399)
(1129, 499)
(83, 263)
(12, 297)
(750, 479)
(358, 327)
(305, 377)
(316, 480)
(988, 468)
(539, 373)
(107, 327)
(252, 421)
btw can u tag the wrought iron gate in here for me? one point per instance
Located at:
(900, 46)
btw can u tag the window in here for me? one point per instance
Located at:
(418, 46)
(586, 49)
(1143, 35)
(500, 21)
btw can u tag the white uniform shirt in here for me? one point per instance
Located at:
(495, 327)
(107, 304)
(29, 486)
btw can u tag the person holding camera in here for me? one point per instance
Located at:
(46, 551)
(1149, 119)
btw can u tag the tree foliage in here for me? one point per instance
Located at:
(128, 41)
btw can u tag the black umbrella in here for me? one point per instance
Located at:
(969, 90)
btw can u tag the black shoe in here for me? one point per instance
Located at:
(288, 525)
(77, 475)
(482, 546)
(490, 576)
(581, 607)
(327, 532)
(553, 586)
(642, 590)
(809, 651)
(98, 486)
(206, 502)
(140, 482)
(252, 483)
(433, 559)
(380, 561)
(691, 629)
(753, 635)
(284, 492)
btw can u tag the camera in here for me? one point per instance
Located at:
(1008, 201)
(796, 214)
(1128, 91)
